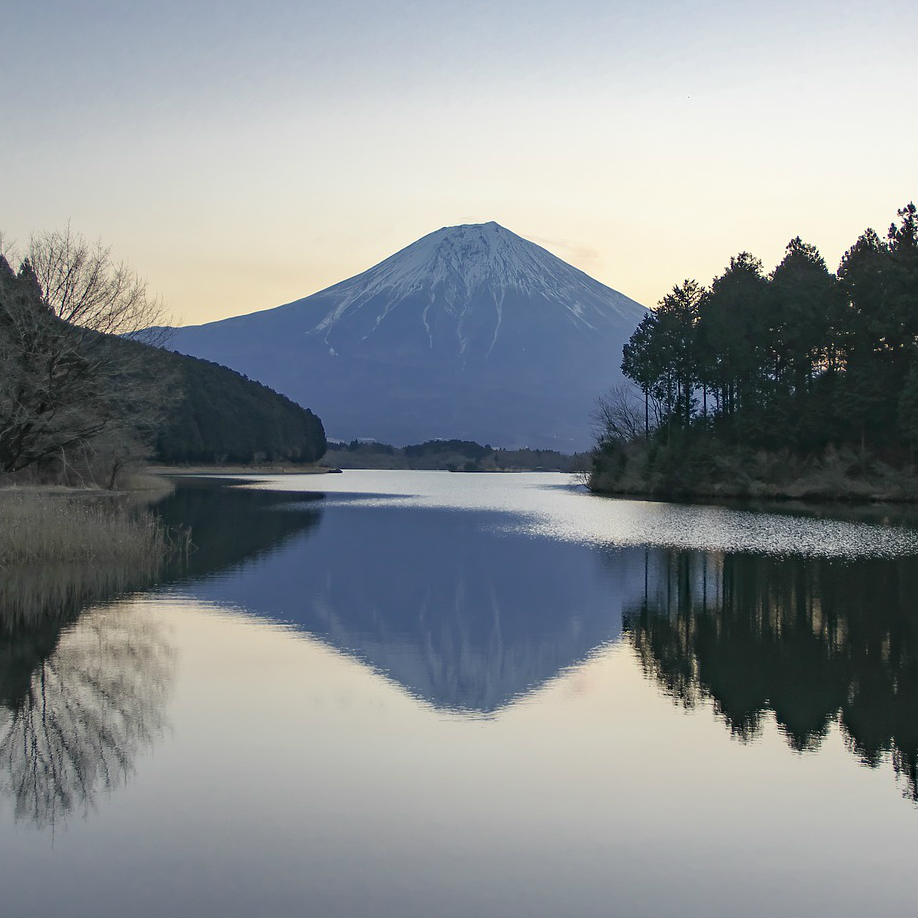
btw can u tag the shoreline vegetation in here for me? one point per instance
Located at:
(799, 384)
(69, 525)
(88, 391)
(643, 469)
(62, 549)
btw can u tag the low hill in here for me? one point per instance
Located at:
(453, 456)
(222, 416)
(78, 404)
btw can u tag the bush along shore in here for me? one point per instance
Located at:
(798, 384)
(40, 528)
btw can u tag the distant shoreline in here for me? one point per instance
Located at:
(261, 468)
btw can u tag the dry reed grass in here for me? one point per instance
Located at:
(39, 528)
(60, 553)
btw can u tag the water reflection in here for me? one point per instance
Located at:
(83, 683)
(815, 642)
(468, 611)
(81, 686)
(443, 602)
(468, 614)
(230, 523)
(77, 706)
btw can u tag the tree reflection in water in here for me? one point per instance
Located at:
(72, 723)
(83, 683)
(815, 641)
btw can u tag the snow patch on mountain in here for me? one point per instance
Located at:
(455, 266)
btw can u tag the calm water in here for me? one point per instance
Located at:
(405, 693)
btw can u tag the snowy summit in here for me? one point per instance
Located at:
(467, 271)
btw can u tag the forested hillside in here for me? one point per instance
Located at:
(762, 377)
(79, 402)
(221, 416)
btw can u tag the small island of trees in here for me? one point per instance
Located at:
(798, 383)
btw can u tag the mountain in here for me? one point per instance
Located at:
(471, 332)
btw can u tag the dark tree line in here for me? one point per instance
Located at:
(451, 455)
(798, 358)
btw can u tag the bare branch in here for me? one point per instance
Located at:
(84, 286)
(619, 415)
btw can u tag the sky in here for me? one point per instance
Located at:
(243, 155)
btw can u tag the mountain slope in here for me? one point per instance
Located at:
(469, 332)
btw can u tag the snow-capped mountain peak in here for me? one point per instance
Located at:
(471, 331)
(464, 269)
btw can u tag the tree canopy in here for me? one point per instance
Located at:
(799, 357)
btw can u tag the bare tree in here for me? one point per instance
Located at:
(66, 373)
(84, 714)
(8, 248)
(82, 285)
(618, 416)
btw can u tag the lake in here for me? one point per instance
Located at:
(424, 693)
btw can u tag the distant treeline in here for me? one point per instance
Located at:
(81, 401)
(450, 455)
(800, 360)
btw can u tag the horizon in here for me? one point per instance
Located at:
(239, 161)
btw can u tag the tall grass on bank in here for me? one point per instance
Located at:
(59, 554)
(38, 528)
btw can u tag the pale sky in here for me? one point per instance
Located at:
(242, 155)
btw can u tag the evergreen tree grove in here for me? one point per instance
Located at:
(800, 358)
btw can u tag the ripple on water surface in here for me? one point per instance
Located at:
(555, 506)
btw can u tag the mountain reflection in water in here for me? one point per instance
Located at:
(467, 615)
(462, 615)
(814, 641)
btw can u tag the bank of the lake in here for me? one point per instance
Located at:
(62, 549)
(654, 470)
(256, 468)
(50, 525)
(451, 456)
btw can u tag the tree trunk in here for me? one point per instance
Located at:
(646, 413)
